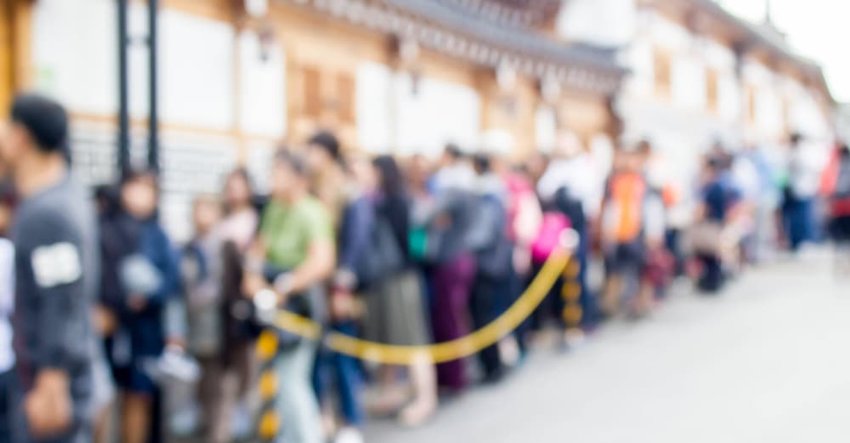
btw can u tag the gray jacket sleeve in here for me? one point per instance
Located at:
(53, 288)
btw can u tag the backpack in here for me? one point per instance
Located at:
(492, 248)
(625, 198)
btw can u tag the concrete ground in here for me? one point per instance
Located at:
(767, 361)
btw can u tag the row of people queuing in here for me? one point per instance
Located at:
(400, 252)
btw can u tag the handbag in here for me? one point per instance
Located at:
(554, 223)
(705, 237)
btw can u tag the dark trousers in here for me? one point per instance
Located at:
(8, 400)
(333, 369)
(491, 296)
(452, 283)
(799, 221)
(712, 278)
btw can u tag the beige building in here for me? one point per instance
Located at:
(239, 77)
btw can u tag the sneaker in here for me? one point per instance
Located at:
(349, 435)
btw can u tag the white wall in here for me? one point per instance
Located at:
(375, 116)
(604, 22)
(438, 113)
(262, 86)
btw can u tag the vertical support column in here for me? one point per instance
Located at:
(268, 423)
(153, 69)
(6, 65)
(571, 294)
(123, 90)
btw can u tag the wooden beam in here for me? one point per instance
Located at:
(6, 75)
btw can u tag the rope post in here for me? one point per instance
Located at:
(571, 294)
(268, 423)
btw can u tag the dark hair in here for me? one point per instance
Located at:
(481, 163)
(293, 160)
(392, 182)
(453, 151)
(44, 119)
(796, 138)
(328, 142)
(644, 147)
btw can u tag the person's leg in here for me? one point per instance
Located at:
(483, 309)
(296, 402)
(348, 380)
(423, 377)
(136, 413)
(7, 405)
(452, 283)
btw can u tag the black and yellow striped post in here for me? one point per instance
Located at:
(571, 295)
(268, 422)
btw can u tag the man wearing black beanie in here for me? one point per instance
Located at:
(56, 275)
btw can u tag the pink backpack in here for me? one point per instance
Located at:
(550, 234)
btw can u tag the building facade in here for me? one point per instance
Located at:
(700, 74)
(240, 77)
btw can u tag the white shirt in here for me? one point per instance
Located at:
(580, 176)
(7, 303)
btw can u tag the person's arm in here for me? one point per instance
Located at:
(52, 258)
(360, 219)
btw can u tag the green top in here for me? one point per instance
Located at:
(289, 230)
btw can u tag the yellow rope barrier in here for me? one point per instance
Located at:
(446, 351)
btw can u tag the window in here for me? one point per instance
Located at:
(345, 97)
(312, 92)
(663, 74)
(711, 90)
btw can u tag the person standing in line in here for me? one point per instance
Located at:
(56, 276)
(491, 289)
(296, 244)
(396, 311)
(354, 242)
(450, 226)
(237, 231)
(8, 382)
(800, 192)
(568, 185)
(140, 276)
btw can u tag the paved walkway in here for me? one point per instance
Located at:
(768, 361)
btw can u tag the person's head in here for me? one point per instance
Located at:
(644, 149)
(289, 176)
(206, 212)
(360, 170)
(37, 128)
(388, 174)
(795, 139)
(451, 155)
(323, 151)
(140, 194)
(238, 190)
(482, 164)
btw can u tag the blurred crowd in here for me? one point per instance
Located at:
(121, 333)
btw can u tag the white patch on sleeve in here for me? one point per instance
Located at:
(57, 264)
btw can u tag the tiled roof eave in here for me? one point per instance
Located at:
(462, 38)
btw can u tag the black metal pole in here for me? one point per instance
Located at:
(153, 117)
(123, 100)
